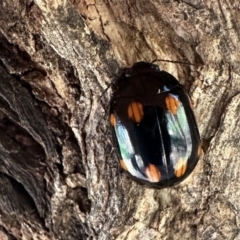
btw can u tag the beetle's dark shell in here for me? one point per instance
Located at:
(154, 126)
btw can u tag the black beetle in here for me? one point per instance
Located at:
(153, 126)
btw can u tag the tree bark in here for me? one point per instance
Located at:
(59, 174)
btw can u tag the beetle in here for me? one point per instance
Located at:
(153, 126)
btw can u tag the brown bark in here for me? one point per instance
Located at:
(59, 176)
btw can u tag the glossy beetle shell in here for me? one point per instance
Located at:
(153, 126)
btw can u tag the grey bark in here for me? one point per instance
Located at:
(59, 175)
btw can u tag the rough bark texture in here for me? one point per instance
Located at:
(59, 176)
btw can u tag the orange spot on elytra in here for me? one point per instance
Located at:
(180, 168)
(123, 165)
(153, 173)
(172, 104)
(113, 120)
(135, 111)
